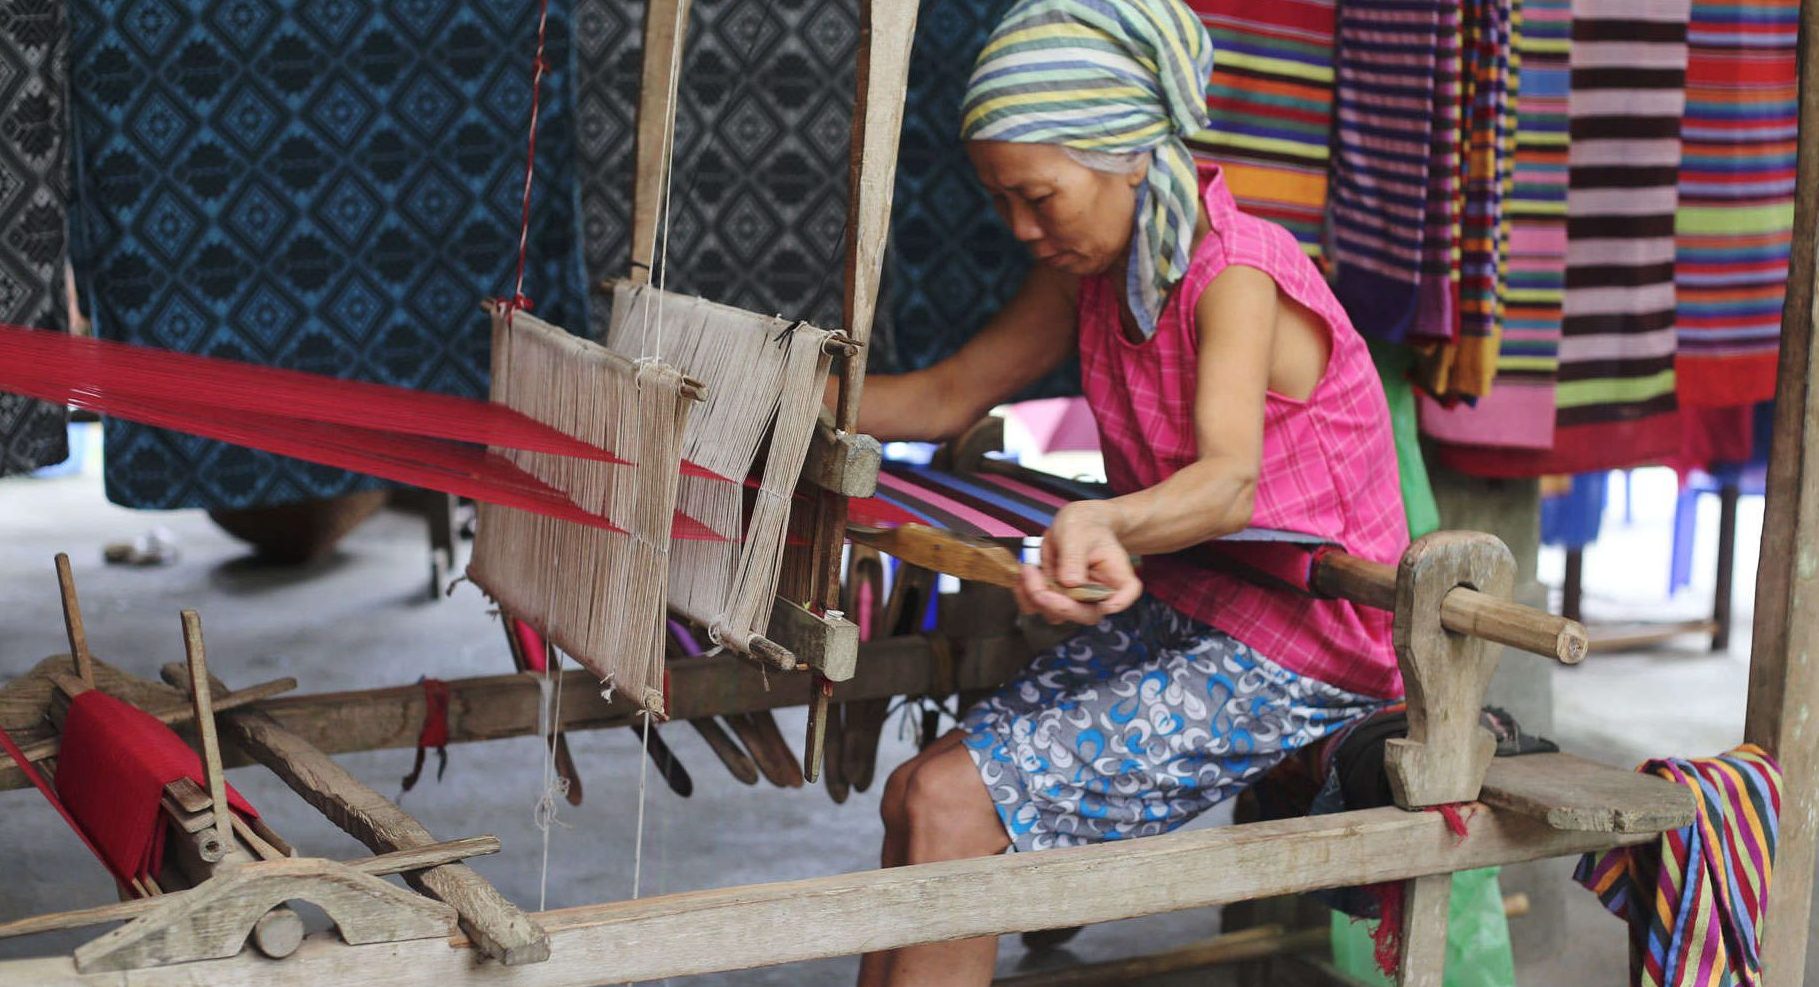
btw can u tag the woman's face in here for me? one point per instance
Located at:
(1071, 217)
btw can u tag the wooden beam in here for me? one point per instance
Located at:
(498, 706)
(1784, 656)
(1568, 792)
(738, 928)
(886, 29)
(845, 463)
(173, 716)
(416, 858)
(665, 26)
(502, 931)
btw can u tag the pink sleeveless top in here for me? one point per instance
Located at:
(1329, 462)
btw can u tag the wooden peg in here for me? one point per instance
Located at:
(205, 725)
(72, 622)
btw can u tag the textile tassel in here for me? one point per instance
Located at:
(604, 604)
(764, 378)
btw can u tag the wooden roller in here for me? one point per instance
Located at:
(1464, 611)
(958, 555)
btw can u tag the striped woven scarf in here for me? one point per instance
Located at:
(1519, 411)
(1128, 77)
(1271, 104)
(1736, 214)
(1694, 899)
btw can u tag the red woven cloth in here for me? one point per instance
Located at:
(111, 772)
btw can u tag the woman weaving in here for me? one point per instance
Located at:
(1230, 389)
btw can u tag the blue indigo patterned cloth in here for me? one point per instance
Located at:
(34, 169)
(1138, 725)
(325, 185)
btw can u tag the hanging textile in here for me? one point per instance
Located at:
(1271, 105)
(952, 262)
(1615, 393)
(763, 131)
(34, 174)
(310, 186)
(1694, 899)
(1465, 367)
(1735, 222)
(1519, 410)
(1396, 109)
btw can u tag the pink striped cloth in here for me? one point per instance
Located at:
(1328, 467)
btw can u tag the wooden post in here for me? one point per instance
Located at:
(72, 622)
(1727, 566)
(1784, 658)
(886, 29)
(1424, 915)
(212, 771)
(665, 26)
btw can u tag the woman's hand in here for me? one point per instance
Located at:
(1081, 547)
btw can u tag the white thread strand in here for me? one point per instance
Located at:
(764, 383)
(602, 604)
(644, 768)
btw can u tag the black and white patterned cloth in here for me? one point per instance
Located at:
(34, 183)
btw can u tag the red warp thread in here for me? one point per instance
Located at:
(434, 732)
(91, 373)
(31, 774)
(111, 772)
(329, 425)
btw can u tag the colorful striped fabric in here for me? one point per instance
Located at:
(1465, 367)
(1519, 410)
(1614, 400)
(1736, 198)
(1437, 293)
(1694, 899)
(1271, 105)
(1396, 108)
(1009, 501)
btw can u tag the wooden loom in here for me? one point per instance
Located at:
(1448, 595)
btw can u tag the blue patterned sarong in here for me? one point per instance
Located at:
(1138, 725)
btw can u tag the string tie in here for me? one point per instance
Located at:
(434, 732)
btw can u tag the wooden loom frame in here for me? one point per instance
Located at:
(1526, 817)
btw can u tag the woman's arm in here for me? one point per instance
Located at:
(1030, 336)
(1092, 541)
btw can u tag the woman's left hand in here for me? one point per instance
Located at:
(1080, 548)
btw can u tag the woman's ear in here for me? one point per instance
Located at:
(1136, 177)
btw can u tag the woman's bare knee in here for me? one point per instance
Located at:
(892, 804)
(949, 812)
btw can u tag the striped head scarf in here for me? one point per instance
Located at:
(1123, 76)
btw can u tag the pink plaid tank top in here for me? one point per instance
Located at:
(1329, 463)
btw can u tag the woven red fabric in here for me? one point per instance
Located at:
(111, 772)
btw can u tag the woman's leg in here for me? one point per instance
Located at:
(930, 814)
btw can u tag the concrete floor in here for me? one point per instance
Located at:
(363, 619)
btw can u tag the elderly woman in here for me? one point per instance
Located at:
(1230, 389)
